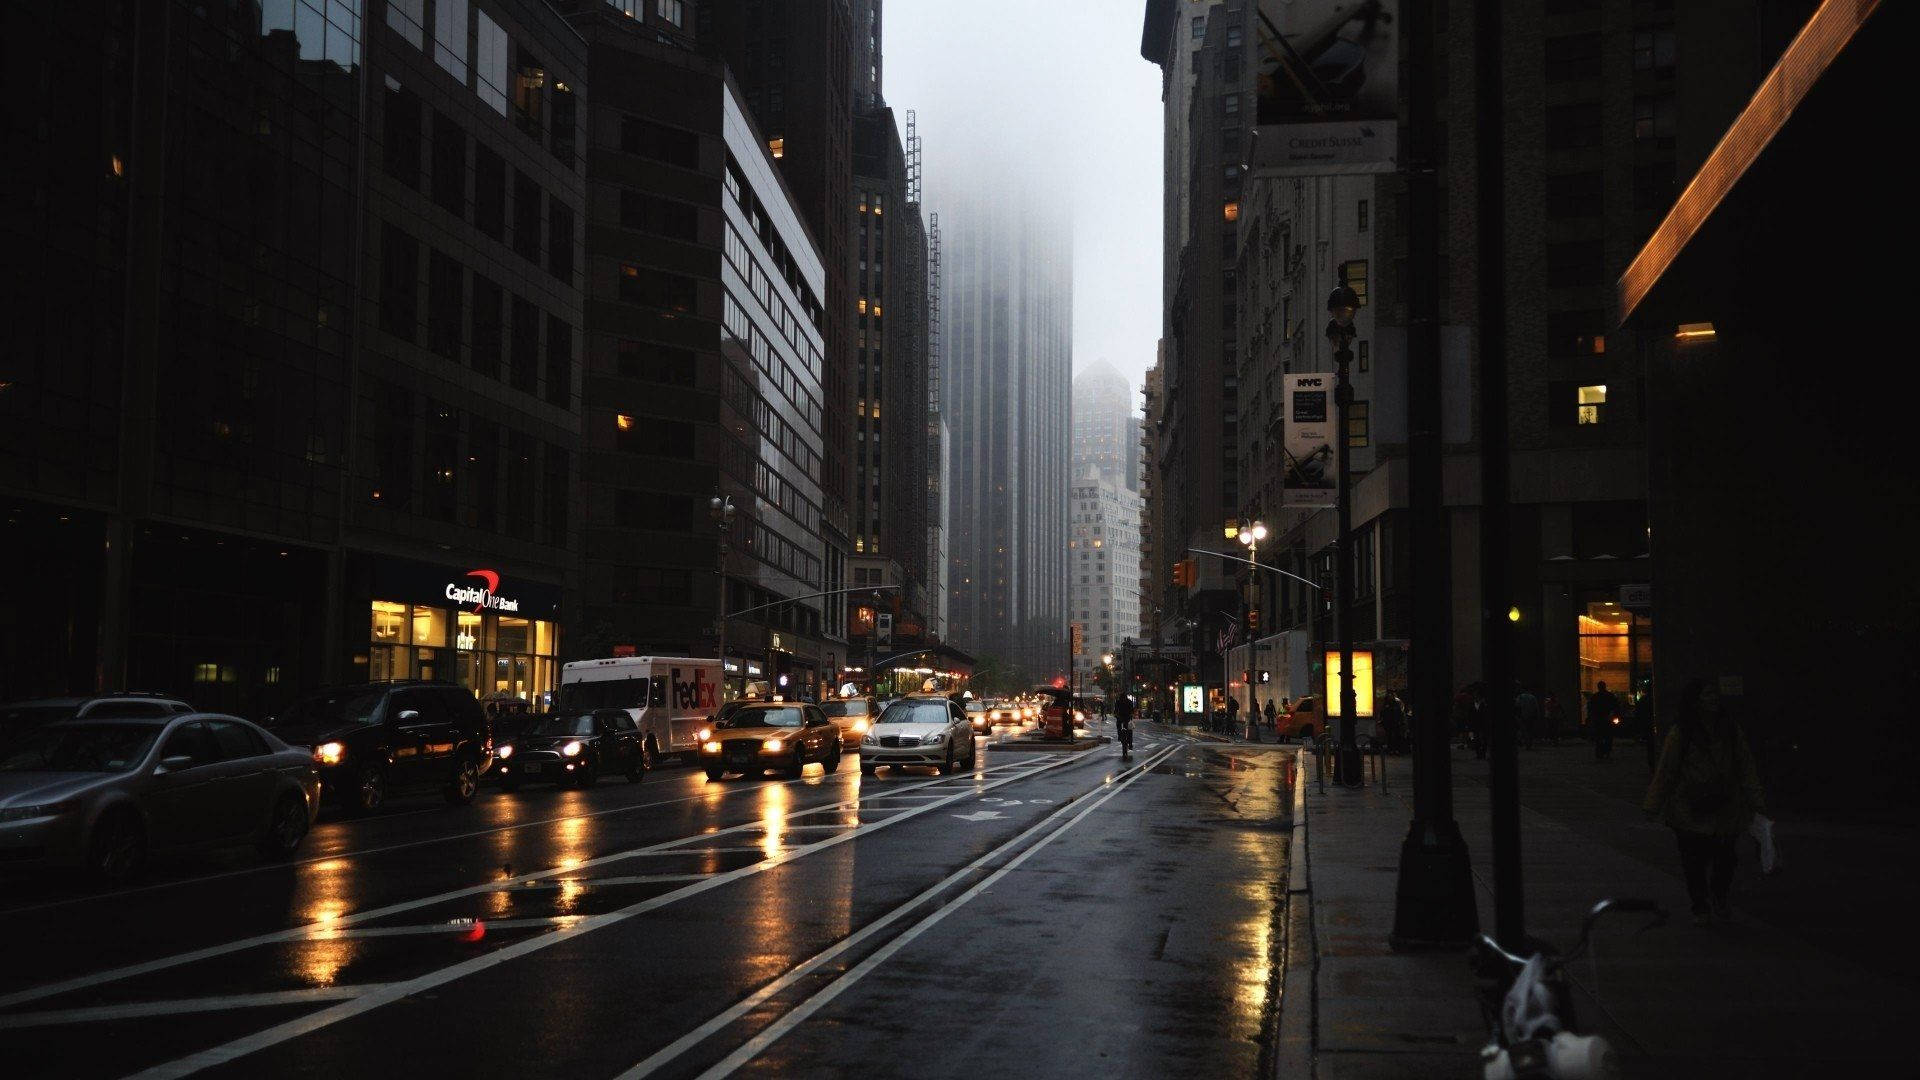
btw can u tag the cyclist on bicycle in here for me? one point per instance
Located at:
(1123, 722)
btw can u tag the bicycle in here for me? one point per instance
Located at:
(1528, 1004)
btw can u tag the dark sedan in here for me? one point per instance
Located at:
(106, 793)
(573, 748)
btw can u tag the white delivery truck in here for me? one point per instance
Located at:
(669, 697)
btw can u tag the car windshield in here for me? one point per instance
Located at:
(332, 708)
(845, 708)
(915, 712)
(775, 717)
(104, 748)
(562, 725)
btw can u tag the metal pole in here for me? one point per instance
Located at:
(1433, 899)
(1253, 603)
(1347, 763)
(1496, 633)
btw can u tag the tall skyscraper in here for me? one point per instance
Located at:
(1007, 367)
(1103, 552)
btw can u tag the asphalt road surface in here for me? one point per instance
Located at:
(1043, 915)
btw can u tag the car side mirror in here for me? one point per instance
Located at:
(175, 763)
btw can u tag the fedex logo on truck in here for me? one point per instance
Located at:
(698, 694)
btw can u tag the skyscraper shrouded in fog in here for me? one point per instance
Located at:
(1006, 380)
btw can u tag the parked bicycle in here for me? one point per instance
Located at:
(1528, 1003)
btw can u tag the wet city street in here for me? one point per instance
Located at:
(1043, 914)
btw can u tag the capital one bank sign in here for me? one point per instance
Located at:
(485, 596)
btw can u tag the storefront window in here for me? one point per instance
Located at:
(430, 626)
(389, 623)
(491, 655)
(1616, 648)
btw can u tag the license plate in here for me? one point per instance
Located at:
(738, 759)
(530, 769)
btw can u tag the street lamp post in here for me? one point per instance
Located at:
(1340, 309)
(720, 507)
(1251, 533)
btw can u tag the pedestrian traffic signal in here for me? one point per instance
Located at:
(1253, 619)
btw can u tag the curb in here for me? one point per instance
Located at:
(1293, 1057)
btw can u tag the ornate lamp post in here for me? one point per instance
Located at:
(1251, 533)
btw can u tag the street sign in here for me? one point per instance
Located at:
(883, 628)
(1636, 597)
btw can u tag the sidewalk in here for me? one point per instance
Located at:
(1773, 993)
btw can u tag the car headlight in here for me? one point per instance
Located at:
(705, 734)
(330, 753)
(933, 740)
(861, 725)
(710, 747)
(773, 746)
(20, 813)
(572, 749)
(504, 752)
(872, 739)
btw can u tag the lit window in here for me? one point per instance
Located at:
(778, 147)
(1232, 210)
(862, 305)
(675, 12)
(1592, 400)
(878, 203)
(623, 422)
(1354, 276)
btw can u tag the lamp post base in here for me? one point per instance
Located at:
(1434, 905)
(1348, 766)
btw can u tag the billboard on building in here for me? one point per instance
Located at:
(1326, 78)
(1307, 447)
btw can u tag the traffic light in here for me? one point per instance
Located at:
(1253, 619)
(1183, 573)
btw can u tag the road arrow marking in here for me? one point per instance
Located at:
(979, 815)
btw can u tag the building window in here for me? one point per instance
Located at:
(524, 358)
(1653, 117)
(1576, 333)
(446, 305)
(777, 147)
(450, 37)
(1199, 27)
(1653, 50)
(1593, 401)
(559, 362)
(1230, 105)
(1354, 276)
(402, 148)
(1573, 127)
(661, 143)
(1231, 210)
(655, 288)
(559, 239)
(488, 304)
(526, 217)
(1575, 264)
(489, 191)
(1362, 216)
(490, 62)
(565, 120)
(408, 19)
(529, 93)
(674, 11)
(1573, 57)
(449, 165)
(1575, 195)
(399, 283)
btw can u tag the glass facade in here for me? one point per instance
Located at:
(494, 655)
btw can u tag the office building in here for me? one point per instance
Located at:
(295, 398)
(1006, 333)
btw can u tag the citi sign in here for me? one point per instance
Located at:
(482, 598)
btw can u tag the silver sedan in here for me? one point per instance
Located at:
(105, 794)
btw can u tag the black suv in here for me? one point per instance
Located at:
(373, 740)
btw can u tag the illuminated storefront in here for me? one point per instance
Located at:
(496, 636)
(1616, 647)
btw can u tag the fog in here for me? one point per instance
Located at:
(1053, 100)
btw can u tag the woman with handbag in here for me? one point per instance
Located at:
(1706, 789)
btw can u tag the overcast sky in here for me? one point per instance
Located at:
(1059, 84)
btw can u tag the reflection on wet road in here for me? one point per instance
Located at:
(539, 921)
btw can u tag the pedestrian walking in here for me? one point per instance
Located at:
(1272, 722)
(1602, 710)
(1393, 722)
(1707, 791)
(1233, 713)
(1553, 717)
(1526, 715)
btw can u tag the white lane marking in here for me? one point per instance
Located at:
(391, 992)
(800, 971)
(310, 860)
(140, 1009)
(794, 1017)
(81, 982)
(452, 926)
(564, 883)
(979, 815)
